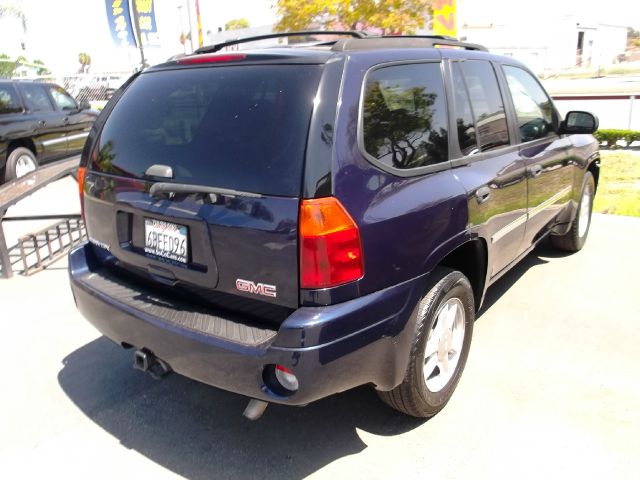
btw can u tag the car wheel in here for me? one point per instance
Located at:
(444, 319)
(576, 237)
(20, 162)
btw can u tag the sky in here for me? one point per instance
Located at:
(60, 29)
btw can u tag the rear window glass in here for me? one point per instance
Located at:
(9, 102)
(36, 97)
(243, 128)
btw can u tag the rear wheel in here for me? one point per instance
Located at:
(444, 322)
(20, 162)
(576, 237)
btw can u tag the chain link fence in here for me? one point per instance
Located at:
(95, 88)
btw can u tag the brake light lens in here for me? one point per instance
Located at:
(81, 173)
(330, 248)
(212, 58)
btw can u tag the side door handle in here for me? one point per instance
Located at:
(66, 120)
(535, 170)
(483, 194)
(42, 123)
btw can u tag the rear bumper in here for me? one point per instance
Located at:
(330, 349)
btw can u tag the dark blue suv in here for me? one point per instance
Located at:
(289, 223)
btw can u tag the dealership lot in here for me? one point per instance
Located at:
(551, 388)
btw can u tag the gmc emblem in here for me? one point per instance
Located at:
(258, 288)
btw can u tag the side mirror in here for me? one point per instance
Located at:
(579, 122)
(85, 105)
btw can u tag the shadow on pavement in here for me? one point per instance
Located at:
(198, 431)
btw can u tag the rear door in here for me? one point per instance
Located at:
(196, 178)
(546, 154)
(48, 123)
(494, 173)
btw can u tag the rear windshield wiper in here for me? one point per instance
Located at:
(159, 189)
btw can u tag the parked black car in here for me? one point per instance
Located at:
(289, 223)
(39, 122)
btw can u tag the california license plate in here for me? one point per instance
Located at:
(167, 240)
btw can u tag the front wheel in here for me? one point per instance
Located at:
(444, 320)
(576, 237)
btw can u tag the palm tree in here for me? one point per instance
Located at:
(85, 62)
(14, 12)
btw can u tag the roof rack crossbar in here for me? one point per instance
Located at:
(219, 46)
(388, 41)
(445, 40)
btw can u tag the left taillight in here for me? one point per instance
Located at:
(81, 173)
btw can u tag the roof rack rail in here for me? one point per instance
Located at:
(415, 41)
(219, 46)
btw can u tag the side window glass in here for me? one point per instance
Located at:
(36, 97)
(9, 101)
(487, 104)
(405, 116)
(464, 115)
(534, 109)
(63, 99)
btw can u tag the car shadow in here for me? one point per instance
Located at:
(198, 431)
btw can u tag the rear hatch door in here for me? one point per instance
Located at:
(196, 176)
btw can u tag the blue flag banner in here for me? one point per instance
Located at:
(147, 22)
(119, 18)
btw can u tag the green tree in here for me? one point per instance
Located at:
(85, 62)
(41, 71)
(388, 16)
(7, 66)
(236, 24)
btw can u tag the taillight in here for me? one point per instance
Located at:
(81, 173)
(330, 249)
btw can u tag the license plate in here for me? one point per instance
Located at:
(167, 240)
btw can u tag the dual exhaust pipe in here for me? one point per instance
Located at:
(147, 362)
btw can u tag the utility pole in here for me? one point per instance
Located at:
(136, 26)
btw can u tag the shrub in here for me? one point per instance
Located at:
(612, 136)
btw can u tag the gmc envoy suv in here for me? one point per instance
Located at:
(288, 223)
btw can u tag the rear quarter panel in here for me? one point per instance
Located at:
(407, 224)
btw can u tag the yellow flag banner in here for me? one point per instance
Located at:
(444, 18)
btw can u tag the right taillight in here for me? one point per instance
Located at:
(81, 173)
(330, 248)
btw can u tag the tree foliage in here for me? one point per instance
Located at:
(7, 66)
(387, 16)
(85, 62)
(14, 12)
(236, 24)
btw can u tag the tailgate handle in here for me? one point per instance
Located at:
(158, 170)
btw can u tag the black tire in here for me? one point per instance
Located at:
(413, 396)
(20, 153)
(576, 237)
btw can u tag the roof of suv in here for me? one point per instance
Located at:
(319, 52)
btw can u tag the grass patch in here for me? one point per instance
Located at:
(619, 186)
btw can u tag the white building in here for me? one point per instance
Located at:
(556, 44)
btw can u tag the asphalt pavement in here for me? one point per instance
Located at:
(551, 390)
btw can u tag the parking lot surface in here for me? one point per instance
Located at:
(551, 390)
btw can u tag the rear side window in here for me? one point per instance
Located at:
(243, 128)
(535, 112)
(9, 101)
(404, 117)
(36, 97)
(487, 104)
